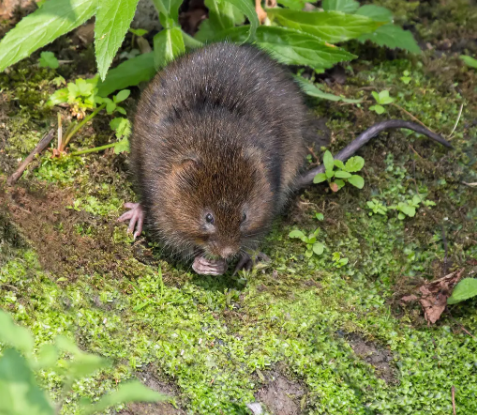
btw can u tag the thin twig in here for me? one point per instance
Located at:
(453, 400)
(44, 142)
(412, 116)
(456, 121)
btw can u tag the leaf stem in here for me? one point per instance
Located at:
(78, 127)
(93, 150)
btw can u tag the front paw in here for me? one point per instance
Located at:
(204, 266)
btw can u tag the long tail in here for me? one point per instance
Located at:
(307, 178)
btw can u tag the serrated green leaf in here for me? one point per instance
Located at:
(129, 73)
(356, 181)
(465, 289)
(48, 60)
(122, 95)
(377, 13)
(354, 164)
(290, 47)
(312, 90)
(168, 45)
(121, 146)
(126, 392)
(319, 178)
(469, 61)
(345, 6)
(296, 234)
(318, 248)
(328, 161)
(13, 335)
(392, 36)
(19, 392)
(339, 164)
(342, 175)
(113, 18)
(43, 26)
(121, 126)
(330, 27)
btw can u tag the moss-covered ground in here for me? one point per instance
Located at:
(310, 336)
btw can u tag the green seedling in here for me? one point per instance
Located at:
(339, 262)
(320, 216)
(82, 96)
(406, 209)
(313, 247)
(377, 207)
(406, 78)
(48, 60)
(382, 98)
(338, 178)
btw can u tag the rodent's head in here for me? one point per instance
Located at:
(216, 206)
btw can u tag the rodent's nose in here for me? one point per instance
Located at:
(227, 252)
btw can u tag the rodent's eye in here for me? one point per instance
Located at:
(209, 218)
(244, 217)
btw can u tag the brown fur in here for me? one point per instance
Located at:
(218, 131)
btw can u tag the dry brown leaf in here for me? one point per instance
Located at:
(434, 295)
(409, 298)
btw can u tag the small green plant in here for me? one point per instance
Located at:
(19, 391)
(406, 78)
(320, 216)
(465, 289)
(337, 178)
(469, 61)
(81, 96)
(313, 247)
(382, 98)
(48, 60)
(405, 208)
(338, 262)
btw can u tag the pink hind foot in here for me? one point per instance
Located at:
(136, 216)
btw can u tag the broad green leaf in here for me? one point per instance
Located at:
(309, 253)
(127, 392)
(312, 90)
(294, 4)
(465, 289)
(48, 60)
(342, 175)
(354, 164)
(392, 36)
(328, 161)
(291, 47)
(318, 248)
(378, 108)
(47, 356)
(340, 183)
(86, 364)
(246, 7)
(43, 26)
(129, 73)
(339, 164)
(320, 216)
(296, 234)
(345, 6)
(356, 181)
(329, 174)
(377, 13)
(19, 392)
(407, 210)
(327, 26)
(222, 16)
(319, 178)
(122, 95)
(13, 335)
(113, 19)
(401, 216)
(469, 61)
(168, 45)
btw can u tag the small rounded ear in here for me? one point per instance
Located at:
(186, 165)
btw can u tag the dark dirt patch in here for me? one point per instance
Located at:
(160, 408)
(376, 356)
(281, 396)
(42, 218)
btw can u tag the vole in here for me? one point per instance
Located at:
(217, 148)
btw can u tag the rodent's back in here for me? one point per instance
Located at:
(225, 107)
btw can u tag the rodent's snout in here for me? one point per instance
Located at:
(223, 251)
(227, 252)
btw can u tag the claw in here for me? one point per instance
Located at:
(204, 266)
(135, 216)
